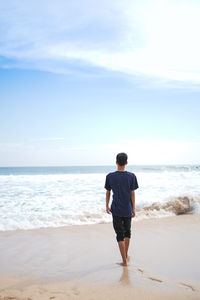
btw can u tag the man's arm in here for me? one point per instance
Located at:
(133, 202)
(107, 201)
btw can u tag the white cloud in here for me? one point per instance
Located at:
(156, 39)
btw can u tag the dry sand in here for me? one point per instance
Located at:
(79, 262)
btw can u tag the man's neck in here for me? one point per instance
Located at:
(121, 168)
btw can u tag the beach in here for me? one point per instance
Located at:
(80, 262)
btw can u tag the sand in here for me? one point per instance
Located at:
(80, 262)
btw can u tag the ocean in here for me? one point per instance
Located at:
(38, 197)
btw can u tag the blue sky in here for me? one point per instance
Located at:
(81, 81)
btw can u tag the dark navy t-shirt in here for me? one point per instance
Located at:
(121, 183)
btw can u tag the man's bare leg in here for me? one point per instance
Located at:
(123, 252)
(127, 241)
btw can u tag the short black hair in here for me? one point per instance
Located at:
(122, 158)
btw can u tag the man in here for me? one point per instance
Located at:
(123, 185)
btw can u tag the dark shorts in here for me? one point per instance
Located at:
(122, 227)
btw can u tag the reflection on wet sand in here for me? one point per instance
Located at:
(125, 277)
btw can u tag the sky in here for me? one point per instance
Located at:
(81, 81)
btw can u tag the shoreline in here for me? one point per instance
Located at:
(134, 221)
(80, 261)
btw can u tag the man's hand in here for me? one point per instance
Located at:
(133, 202)
(108, 210)
(107, 202)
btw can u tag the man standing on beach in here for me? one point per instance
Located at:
(123, 185)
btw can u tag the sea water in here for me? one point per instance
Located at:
(35, 197)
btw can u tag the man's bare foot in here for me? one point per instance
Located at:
(123, 264)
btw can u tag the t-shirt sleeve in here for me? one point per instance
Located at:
(107, 183)
(134, 183)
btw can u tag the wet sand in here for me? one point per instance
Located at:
(80, 262)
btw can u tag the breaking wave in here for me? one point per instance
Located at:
(174, 206)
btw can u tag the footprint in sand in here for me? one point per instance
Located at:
(188, 286)
(140, 270)
(151, 278)
(75, 291)
(155, 279)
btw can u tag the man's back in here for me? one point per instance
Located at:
(121, 183)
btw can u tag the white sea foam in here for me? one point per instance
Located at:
(52, 200)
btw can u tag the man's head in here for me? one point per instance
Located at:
(121, 159)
